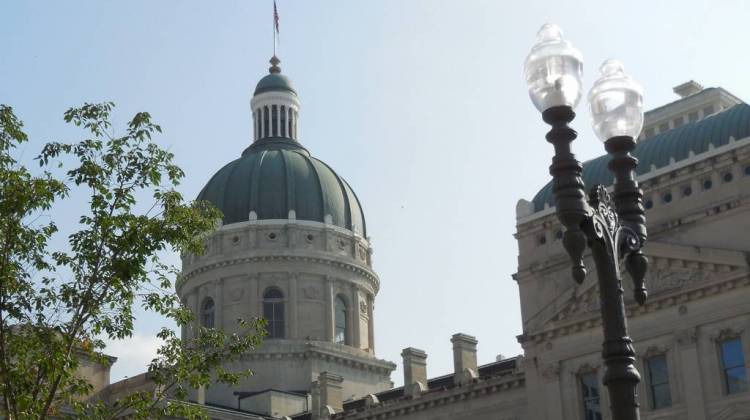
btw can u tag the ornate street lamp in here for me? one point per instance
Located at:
(614, 229)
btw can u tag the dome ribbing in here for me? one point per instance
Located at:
(277, 175)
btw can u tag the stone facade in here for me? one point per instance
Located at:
(311, 264)
(698, 285)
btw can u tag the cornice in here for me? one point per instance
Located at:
(438, 398)
(739, 280)
(365, 272)
(315, 351)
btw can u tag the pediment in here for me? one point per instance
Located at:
(673, 269)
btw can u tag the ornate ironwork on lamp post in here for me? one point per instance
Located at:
(614, 228)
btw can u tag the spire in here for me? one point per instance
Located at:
(274, 69)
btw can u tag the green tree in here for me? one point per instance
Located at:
(56, 305)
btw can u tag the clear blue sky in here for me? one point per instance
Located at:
(420, 105)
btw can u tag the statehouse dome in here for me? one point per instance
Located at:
(276, 178)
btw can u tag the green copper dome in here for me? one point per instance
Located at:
(276, 175)
(658, 151)
(274, 82)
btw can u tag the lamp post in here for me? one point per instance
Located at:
(613, 227)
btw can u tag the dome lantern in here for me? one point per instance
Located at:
(275, 106)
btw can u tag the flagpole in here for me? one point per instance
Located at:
(273, 28)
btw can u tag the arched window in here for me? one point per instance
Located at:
(283, 121)
(207, 313)
(273, 312)
(340, 336)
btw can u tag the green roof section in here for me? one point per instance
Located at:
(276, 175)
(274, 82)
(658, 151)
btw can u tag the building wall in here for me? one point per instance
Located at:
(699, 294)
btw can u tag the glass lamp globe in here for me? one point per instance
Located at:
(616, 103)
(553, 70)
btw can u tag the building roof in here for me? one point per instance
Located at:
(274, 82)
(666, 148)
(440, 383)
(276, 175)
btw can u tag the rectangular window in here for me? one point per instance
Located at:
(592, 409)
(273, 312)
(649, 132)
(708, 111)
(693, 117)
(275, 120)
(658, 382)
(733, 365)
(663, 128)
(677, 122)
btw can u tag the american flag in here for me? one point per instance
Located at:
(275, 17)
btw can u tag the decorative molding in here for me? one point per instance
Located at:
(727, 334)
(686, 337)
(357, 269)
(435, 399)
(586, 367)
(313, 351)
(312, 292)
(551, 371)
(236, 293)
(677, 297)
(656, 350)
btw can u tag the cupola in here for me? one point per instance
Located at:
(275, 106)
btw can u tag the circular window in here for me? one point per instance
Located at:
(687, 191)
(309, 237)
(272, 236)
(235, 239)
(707, 184)
(727, 177)
(667, 197)
(649, 204)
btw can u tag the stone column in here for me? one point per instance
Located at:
(192, 303)
(219, 304)
(293, 321)
(329, 310)
(371, 323)
(315, 400)
(356, 338)
(690, 366)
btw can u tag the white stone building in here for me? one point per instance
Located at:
(294, 249)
